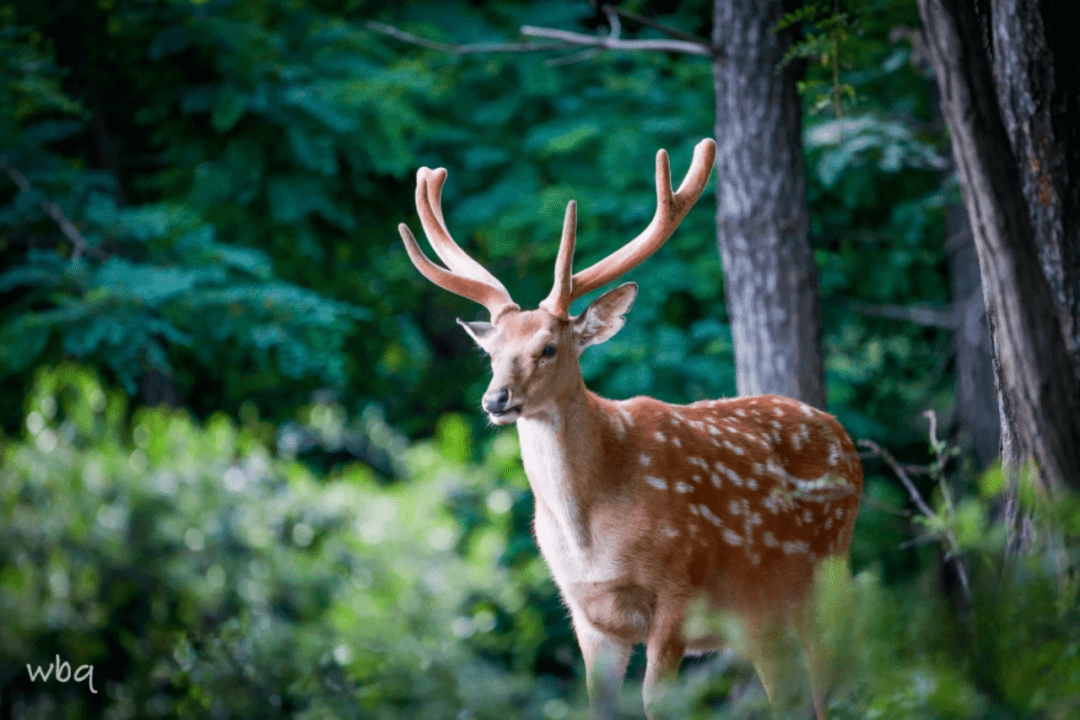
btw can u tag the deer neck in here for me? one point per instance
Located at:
(560, 451)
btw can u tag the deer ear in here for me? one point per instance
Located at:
(605, 316)
(481, 332)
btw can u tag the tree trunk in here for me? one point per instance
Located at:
(1034, 372)
(762, 215)
(1037, 76)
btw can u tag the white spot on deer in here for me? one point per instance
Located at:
(794, 547)
(733, 476)
(775, 424)
(734, 508)
(694, 460)
(839, 514)
(715, 479)
(758, 468)
(807, 517)
(696, 477)
(669, 531)
(677, 418)
(778, 411)
(770, 540)
(755, 559)
(732, 538)
(828, 523)
(656, 482)
(626, 416)
(796, 441)
(834, 453)
(806, 409)
(682, 487)
(693, 509)
(645, 459)
(738, 449)
(740, 412)
(751, 483)
(713, 430)
(676, 441)
(710, 515)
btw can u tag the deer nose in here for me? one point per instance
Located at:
(496, 403)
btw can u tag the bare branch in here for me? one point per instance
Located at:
(610, 43)
(920, 314)
(454, 49)
(649, 22)
(53, 210)
(901, 474)
(564, 41)
(951, 541)
(613, 21)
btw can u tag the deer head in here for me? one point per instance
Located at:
(534, 353)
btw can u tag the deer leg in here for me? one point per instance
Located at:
(775, 657)
(816, 666)
(664, 650)
(605, 664)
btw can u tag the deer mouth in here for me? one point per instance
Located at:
(503, 417)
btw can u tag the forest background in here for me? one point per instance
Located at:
(244, 469)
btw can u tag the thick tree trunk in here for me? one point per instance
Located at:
(1037, 75)
(1036, 379)
(762, 216)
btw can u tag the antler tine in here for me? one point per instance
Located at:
(496, 300)
(429, 184)
(558, 300)
(671, 208)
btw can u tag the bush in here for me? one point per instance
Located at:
(201, 573)
(196, 571)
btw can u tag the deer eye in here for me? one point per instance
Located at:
(549, 350)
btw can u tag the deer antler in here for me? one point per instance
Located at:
(465, 276)
(671, 208)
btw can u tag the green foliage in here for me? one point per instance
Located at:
(200, 573)
(203, 574)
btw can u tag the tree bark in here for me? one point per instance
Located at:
(762, 215)
(1037, 77)
(1036, 378)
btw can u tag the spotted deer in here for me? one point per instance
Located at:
(644, 507)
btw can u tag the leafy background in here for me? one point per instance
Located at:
(317, 523)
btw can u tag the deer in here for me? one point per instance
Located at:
(643, 508)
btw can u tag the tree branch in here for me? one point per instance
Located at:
(951, 541)
(455, 49)
(649, 22)
(53, 210)
(920, 314)
(564, 40)
(614, 43)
